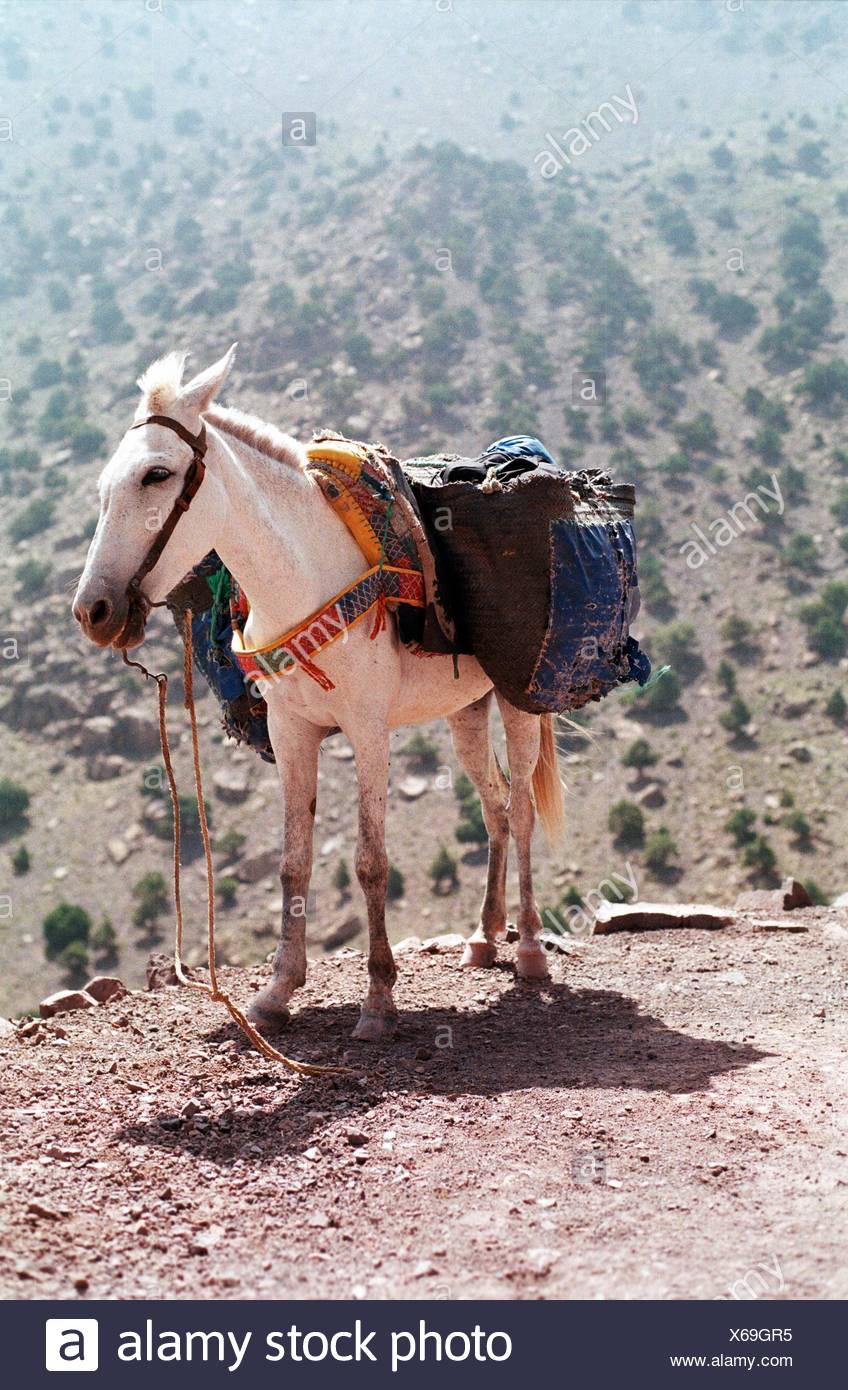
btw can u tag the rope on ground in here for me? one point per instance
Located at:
(213, 988)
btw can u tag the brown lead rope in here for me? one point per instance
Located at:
(213, 988)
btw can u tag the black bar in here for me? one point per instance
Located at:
(596, 1344)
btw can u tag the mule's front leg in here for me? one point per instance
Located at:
(296, 751)
(372, 867)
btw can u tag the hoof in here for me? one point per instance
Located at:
(374, 1027)
(531, 963)
(268, 1012)
(478, 954)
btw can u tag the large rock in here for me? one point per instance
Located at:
(7, 1028)
(106, 988)
(137, 731)
(658, 916)
(258, 866)
(841, 901)
(65, 1001)
(102, 767)
(342, 932)
(97, 734)
(38, 706)
(161, 971)
(786, 898)
(413, 787)
(232, 784)
(652, 796)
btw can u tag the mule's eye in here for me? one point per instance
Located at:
(155, 475)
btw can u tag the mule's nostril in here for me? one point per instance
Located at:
(99, 612)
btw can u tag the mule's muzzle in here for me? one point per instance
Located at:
(110, 619)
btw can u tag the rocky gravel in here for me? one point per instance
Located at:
(663, 1119)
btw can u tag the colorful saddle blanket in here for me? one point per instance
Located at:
(366, 488)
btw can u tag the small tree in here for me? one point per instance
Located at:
(627, 823)
(660, 849)
(836, 707)
(104, 941)
(471, 829)
(422, 751)
(736, 717)
(74, 961)
(226, 889)
(151, 893)
(797, 823)
(663, 695)
(341, 879)
(65, 924)
(395, 884)
(443, 870)
(726, 675)
(740, 824)
(639, 755)
(21, 860)
(14, 803)
(759, 856)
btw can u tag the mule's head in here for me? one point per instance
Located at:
(138, 489)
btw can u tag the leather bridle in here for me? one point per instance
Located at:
(194, 477)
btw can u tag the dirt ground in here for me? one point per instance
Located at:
(664, 1119)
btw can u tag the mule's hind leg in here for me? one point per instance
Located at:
(296, 745)
(471, 739)
(523, 743)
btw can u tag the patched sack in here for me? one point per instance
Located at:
(537, 569)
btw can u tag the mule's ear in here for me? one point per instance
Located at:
(199, 393)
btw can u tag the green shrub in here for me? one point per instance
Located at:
(395, 884)
(151, 894)
(676, 229)
(230, 843)
(824, 381)
(21, 860)
(677, 643)
(31, 576)
(662, 695)
(422, 751)
(104, 940)
(14, 803)
(635, 421)
(226, 889)
(639, 755)
(47, 372)
(836, 707)
(759, 856)
(36, 516)
(726, 675)
(736, 717)
(66, 923)
(86, 440)
(627, 823)
(74, 961)
(59, 297)
(443, 869)
(801, 553)
(796, 822)
(660, 848)
(341, 878)
(736, 632)
(740, 824)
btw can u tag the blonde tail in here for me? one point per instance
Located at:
(547, 787)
